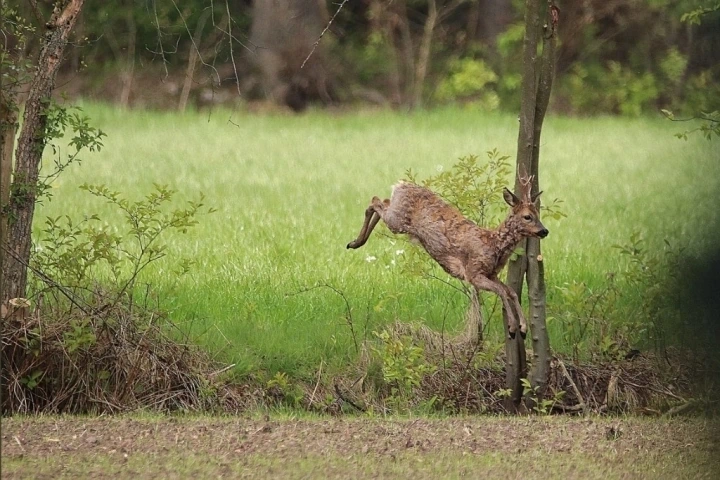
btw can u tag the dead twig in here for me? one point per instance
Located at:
(327, 27)
(574, 387)
(345, 399)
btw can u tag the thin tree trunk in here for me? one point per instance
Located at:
(192, 61)
(473, 18)
(407, 54)
(30, 146)
(380, 23)
(129, 73)
(424, 55)
(538, 326)
(8, 129)
(514, 347)
(515, 368)
(536, 269)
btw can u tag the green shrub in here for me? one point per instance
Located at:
(673, 66)
(611, 88)
(601, 324)
(92, 343)
(469, 82)
(403, 367)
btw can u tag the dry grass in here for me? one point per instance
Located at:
(114, 358)
(470, 378)
(468, 447)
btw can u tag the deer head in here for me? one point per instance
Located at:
(525, 212)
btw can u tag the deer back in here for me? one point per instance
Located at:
(428, 219)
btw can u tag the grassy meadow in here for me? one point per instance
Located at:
(290, 192)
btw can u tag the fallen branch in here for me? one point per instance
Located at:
(347, 400)
(582, 405)
(682, 408)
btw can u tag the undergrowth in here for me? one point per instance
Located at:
(90, 338)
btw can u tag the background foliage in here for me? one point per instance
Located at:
(620, 56)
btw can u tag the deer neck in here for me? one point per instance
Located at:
(507, 237)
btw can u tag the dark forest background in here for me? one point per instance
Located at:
(627, 57)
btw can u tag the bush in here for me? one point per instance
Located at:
(469, 82)
(91, 343)
(612, 88)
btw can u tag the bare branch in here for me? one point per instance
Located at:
(327, 27)
(232, 55)
(37, 12)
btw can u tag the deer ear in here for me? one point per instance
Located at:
(535, 197)
(510, 197)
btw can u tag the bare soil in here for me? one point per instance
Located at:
(233, 447)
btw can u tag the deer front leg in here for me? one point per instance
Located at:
(372, 217)
(481, 282)
(518, 309)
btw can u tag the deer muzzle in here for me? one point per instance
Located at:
(543, 233)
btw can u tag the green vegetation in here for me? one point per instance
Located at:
(290, 192)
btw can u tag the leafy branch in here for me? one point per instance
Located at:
(710, 125)
(694, 17)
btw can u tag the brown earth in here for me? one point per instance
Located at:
(232, 447)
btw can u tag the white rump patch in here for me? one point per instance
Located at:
(398, 184)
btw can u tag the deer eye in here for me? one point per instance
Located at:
(527, 217)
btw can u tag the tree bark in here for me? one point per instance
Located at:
(193, 58)
(424, 55)
(8, 123)
(30, 146)
(8, 128)
(285, 32)
(515, 347)
(493, 19)
(536, 270)
(515, 368)
(128, 74)
(406, 52)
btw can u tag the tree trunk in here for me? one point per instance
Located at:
(494, 18)
(286, 32)
(515, 368)
(193, 58)
(538, 327)
(515, 347)
(536, 269)
(30, 146)
(129, 72)
(406, 52)
(8, 128)
(424, 55)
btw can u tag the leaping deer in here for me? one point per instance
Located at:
(463, 249)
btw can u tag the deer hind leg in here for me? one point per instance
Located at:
(373, 214)
(481, 282)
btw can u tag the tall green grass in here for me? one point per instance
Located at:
(290, 192)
